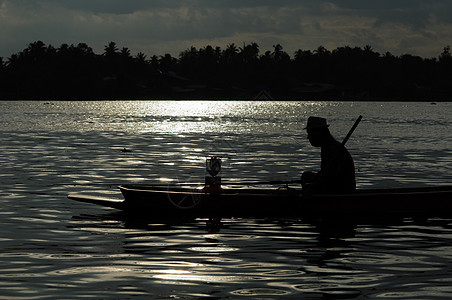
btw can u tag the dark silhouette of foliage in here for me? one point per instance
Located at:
(346, 73)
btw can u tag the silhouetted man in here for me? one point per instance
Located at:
(337, 173)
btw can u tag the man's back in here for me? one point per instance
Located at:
(337, 174)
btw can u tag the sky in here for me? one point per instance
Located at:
(157, 27)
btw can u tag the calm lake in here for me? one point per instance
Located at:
(55, 248)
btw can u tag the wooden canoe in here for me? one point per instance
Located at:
(172, 200)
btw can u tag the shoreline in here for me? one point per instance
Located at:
(229, 99)
(238, 98)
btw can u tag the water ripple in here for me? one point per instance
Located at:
(56, 248)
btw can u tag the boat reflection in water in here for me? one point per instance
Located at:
(260, 256)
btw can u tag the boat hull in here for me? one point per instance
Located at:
(286, 202)
(231, 202)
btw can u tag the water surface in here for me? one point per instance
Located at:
(56, 248)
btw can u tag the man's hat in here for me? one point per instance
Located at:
(316, 122)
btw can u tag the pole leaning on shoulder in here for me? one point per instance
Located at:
(349, 134)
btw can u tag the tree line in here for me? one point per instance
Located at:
(42, 71)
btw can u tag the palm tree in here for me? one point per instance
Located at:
(277, 52)
(446, 55)
(36, 47)
(84, 49)
(155, 62)
(189, 56)
(111, 50)
(125, 53)
(64, 49)
(167, 62)
(322, 51)
(208, 56)
(249, 53)
(302, 54)
(13, 60)
(140, 57)
(369, 52)
(279, 55)
(230, 53)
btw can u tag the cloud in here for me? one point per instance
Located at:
(414, 13)
(160, 26)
